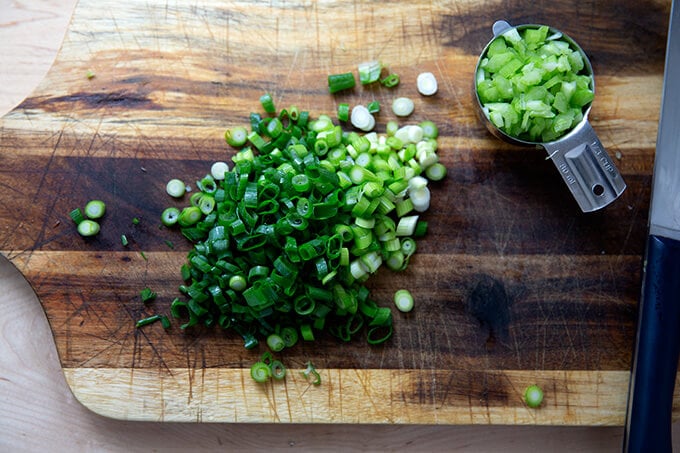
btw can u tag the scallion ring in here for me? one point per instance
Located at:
(278, 371)
(218, 170)
(175, 188)
(260, 372)
(189, 216)
(88, 228)
(236, 136)
(267, 103)
(343, 111)
(403, 106)
(391, 81)
(95, 209)
(275, 342)
(170, 216)
(426, 83)
(533, 396)
(362, 119)
(403, 300)
(435, 172)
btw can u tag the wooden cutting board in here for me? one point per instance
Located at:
(513, 284)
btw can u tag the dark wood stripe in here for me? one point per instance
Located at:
(472, 312)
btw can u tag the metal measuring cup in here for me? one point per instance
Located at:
(579, 156)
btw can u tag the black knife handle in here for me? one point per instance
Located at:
(655, 363)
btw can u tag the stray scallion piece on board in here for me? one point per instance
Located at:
(403, 300)
(391, 81)
(533, 86)
(369, 72)
(284, 243)
(533, 396)
(165, 321)
(95, 209)
(426, 83)
(86, 220)
(341, 82)
(88, 228)
(147, 295)
(266, 368)
(311, 374)
(175, 188)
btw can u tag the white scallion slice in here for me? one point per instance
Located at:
(407, 225)
(175, 188)
(403, 106)
(426, 83)
(403, 300)
(420, 198)
(218, 170)
(362, 119)
(417, 182)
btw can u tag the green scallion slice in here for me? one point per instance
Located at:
(340, 82)
(260, 372)
(403, 300)
(236, 136)
(391, 81)
(88, 228)
(147, 295)
(267, 103)
(95, 209)
(533, 396)
(165, 322)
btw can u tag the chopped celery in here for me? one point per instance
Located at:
(533, 84)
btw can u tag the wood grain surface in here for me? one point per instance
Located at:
(514, 285)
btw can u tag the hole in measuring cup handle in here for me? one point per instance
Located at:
(586, 168)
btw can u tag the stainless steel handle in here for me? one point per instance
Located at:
(586, 168)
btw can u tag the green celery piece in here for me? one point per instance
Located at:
(563, 64)
(539, 109)
(529, 78)
(496, 119)
(553, 81)
(536, 129)
(488, 92)
(549, 134)
(568, 89)
(561, 103)
(504, 87)
(503, 115)
(496, 62)
(512, 36)
(535, 36)
(537, 93)
(583, 82)
(563, 122)
(510, 68)
(576, 61)
(497, 46)
(582, 97)
(549, 64)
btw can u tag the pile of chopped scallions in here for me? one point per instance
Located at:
(285, 240)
